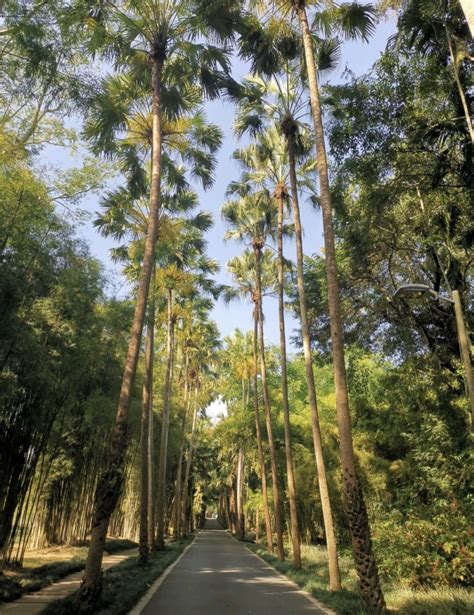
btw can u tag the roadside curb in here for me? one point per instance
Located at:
(144, 600)
(322, 607)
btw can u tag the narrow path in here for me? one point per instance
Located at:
(34, 603)
(219, 576)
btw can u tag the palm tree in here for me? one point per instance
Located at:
(185, 271)
(207, 341)
(357, 513)
(353, 21)
(243, 273)
(152, 34)
(265, 164)
(124, 217)
(191, 317)
(238, 363)
(282, 99)
(252, 218)
(145, 440)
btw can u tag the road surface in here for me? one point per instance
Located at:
(219, 576)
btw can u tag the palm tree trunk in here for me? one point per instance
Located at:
(240, 484)
(165, 422)
(185, 516)
(334, 574)
(147, 405)
(266, 404)
(179, 473)
(354, 498)
(150, 451)
(281, 194)
(110, 484)
(258, 430)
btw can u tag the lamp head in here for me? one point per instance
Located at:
(415, 291)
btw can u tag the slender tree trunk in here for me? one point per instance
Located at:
(147, 402)
(333, 565)
(179, 474)
(151, 456)
(281, 195)
(258, 430)
(110, 484)
(185, 516)
(240, 482)
(354, 498)
(165, 423)
(257, 527)
(266, 404)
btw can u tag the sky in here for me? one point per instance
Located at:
(357, 57)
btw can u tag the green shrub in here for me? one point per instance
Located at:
(424, 552)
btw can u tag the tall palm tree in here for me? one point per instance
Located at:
(265, 164)
(252, 219)
(238, 366)
(352, 20)
(125, 218)
(150, 38)
(357, 512)
(282, 100)
(185, 270)
(146, 421)
(243, 273)
(206, 336)
(192, 317)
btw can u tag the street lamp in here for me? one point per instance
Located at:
(421, 290)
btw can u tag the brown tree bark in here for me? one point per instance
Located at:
(179, 473)
(165, 422)
(151, 457)
(333, 565)
(354, 498)
(111, 482)
(281, 194)
(266, 404)
(185, 517)
(147, 403)
(258, 430)
(240, 503)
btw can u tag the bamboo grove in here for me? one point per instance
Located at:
(358, 428)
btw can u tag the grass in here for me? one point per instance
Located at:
(125, 583)
(43, 567)
(400, 599)
(13, 587)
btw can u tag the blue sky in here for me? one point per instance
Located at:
(356, 56)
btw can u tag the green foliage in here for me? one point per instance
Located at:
(430, 551)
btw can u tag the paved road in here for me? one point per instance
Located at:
(218, 576)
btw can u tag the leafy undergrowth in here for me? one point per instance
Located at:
(442, 601)
(125, 583)
(41, 568)
(313, 578)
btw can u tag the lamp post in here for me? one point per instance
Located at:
(420, 290)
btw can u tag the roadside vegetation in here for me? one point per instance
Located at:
(125, 584)
(46, 566)
(401, 598)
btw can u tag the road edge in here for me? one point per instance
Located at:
(322, 607)
(145, 599)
